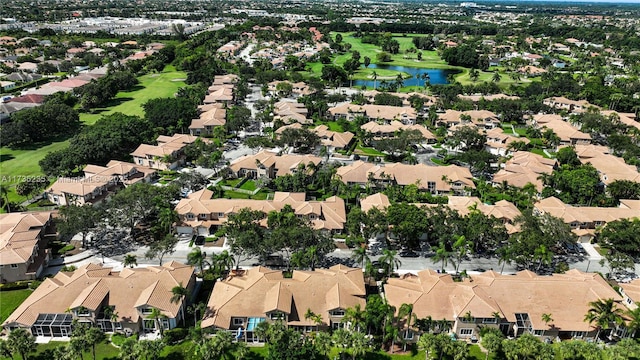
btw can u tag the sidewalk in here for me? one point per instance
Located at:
(593, 253)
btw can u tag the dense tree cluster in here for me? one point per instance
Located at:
(38, 124)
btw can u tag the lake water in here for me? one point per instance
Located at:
(436, 76)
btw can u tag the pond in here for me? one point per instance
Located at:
(436, 76)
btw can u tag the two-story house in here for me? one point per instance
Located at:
(115, 301)
(214, 116)
(245, 299)
(201, 214)
(23, 245)
(98, 183)
(270, 164)
(168, 154)
(514, 304)
(451, 179)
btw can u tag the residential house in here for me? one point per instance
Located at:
(379, 201)
(405, 115)
(168, 154)
(531, 71)
(383, 131)
(98, 183)
(115, 301)
(23, 245)
(298, 89)
(334, 140)
(610, 167)
(502, 210)
(584, 220)
(524, 168)
(514, 304)
(222, 90)
(492, 97)
(7, 85)
(499, 143)
(435, 179)
(214, 116)
(200, 214)
(249, 297)
(481, 118)
(270, 164)
(628, 119)
(562, 103)
(291, 112)
(568, 134)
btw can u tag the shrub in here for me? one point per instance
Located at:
(176, 335)
(18, 285)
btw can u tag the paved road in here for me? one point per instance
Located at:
(408, 264)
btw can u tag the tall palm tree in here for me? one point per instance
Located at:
(179, 295)
(223, 261)
(323, 342)
(198, 258)
(360, 344)
(157, 316)
(442, 255)
(546, 317)
(374, 76)
(496, 77)
(167, 217)
(389, 261)
(633, 320)
(356, 316)
(399, 81)
(504, 257)
(20, 341)
(605, 314)
(406, 312)
(130, 260)
(360, 256)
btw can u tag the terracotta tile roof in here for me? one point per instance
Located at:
(523, 168)
(19, 234)
(383, 112)
(566, 296)
(359, 172)
(584, 214)
(91, 284)
(386, 130)
(166, 145)
(259, 291)
(284, 164)
(330, 213)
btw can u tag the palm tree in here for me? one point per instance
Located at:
(633, 320)
(546, 317)
(443, 255)
(374, 76)
(399, 81)
(504, 257)
(604, 313)
(20, 341)
(179, 294)
(359, 345)
(496, 77)
(223, 261)
(474, 74)
(406, 311)
(323, 342)
(167, 217)
(130, 260)
(157, 315)
(356, 316)
(93, 336)
(148, 349)
(389, 261)
(360, 256)
(316, 318)
(198, 258)
(195, 309)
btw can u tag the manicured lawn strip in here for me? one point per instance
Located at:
(260, 195)
(367, 151)
(249, 185)
(10, 301)
(17, 163)
(151, 86)
(332, 125)
(104, 351)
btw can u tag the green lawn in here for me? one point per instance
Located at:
(332, 125)
(362, 150)
(10, 300)
(16, 164)
(249, 185)
(260, 195)
(151, 86)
